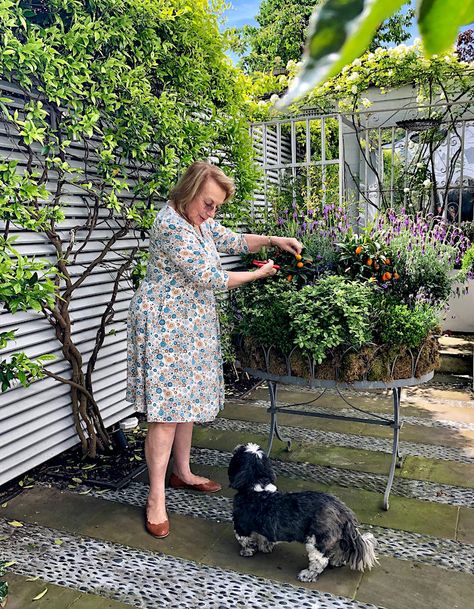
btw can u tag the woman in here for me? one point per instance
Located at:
(174, 357)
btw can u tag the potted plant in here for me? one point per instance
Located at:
(355, 306)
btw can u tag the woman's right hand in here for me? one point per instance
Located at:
(267, 270)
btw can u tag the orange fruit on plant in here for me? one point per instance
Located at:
(300, 265)
(387, 261)
(386, 276)
(358, 249)
(289, 278)
(396, 275)
(298, 256)
(369, 262)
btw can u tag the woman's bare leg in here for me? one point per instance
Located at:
(182, 452)
(158, 442)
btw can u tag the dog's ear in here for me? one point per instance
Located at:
(248, 467)
(236, 470)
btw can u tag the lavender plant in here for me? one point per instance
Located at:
(426, 250)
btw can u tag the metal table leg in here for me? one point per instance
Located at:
(396, 457)
(274, 429)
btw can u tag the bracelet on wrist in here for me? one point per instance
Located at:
(270, 242)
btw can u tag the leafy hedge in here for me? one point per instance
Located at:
(149, 81)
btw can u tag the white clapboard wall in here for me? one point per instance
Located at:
(36, 422)
(272, 152)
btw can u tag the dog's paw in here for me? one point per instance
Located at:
(247, 551)
(306, 575)
(265, 546)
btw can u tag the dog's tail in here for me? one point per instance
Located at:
(358, 549)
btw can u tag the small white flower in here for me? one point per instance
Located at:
(345, 69)
(262, 103)
(427, 183)
(357, 62)
(274, 98)
(370, 56)
(354, 76)
(354, 89)
(406, 190)
(420, 165)
(366, 102)
(448, 59)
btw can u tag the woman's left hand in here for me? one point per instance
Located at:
(288, 244)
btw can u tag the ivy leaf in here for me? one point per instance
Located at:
(339, 31)
(40, 595)
(58, 542)
(439, 22)
(15, 523)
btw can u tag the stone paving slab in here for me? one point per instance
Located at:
(22, 592)
(465, 527)
(415, 585)
(404, 514)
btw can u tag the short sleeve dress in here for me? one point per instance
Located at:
(174, 361)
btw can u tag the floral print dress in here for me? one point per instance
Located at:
(174, 361)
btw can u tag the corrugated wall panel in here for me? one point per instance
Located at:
(36, 422)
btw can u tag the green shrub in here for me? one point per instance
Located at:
(468, 260)
(331, 313)
(402, 325)
(261, 312)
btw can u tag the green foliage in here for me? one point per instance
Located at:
(20, 367)
(342, 30)
(261, 312)
(26, 285)
(282, 30)
(468, 260)
(227, 328)
(331, 313)
(3, 586)
(279, 36)
(401, 325)
(148, 81)
(468, 230)
(440, 20)
(146, 88)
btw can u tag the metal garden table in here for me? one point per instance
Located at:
(374, 419)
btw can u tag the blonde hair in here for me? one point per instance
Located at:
(193, 180)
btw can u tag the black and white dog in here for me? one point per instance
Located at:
(263, 517)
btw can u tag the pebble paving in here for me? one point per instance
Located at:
(149, 580)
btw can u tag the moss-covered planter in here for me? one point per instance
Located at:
(371, 363)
